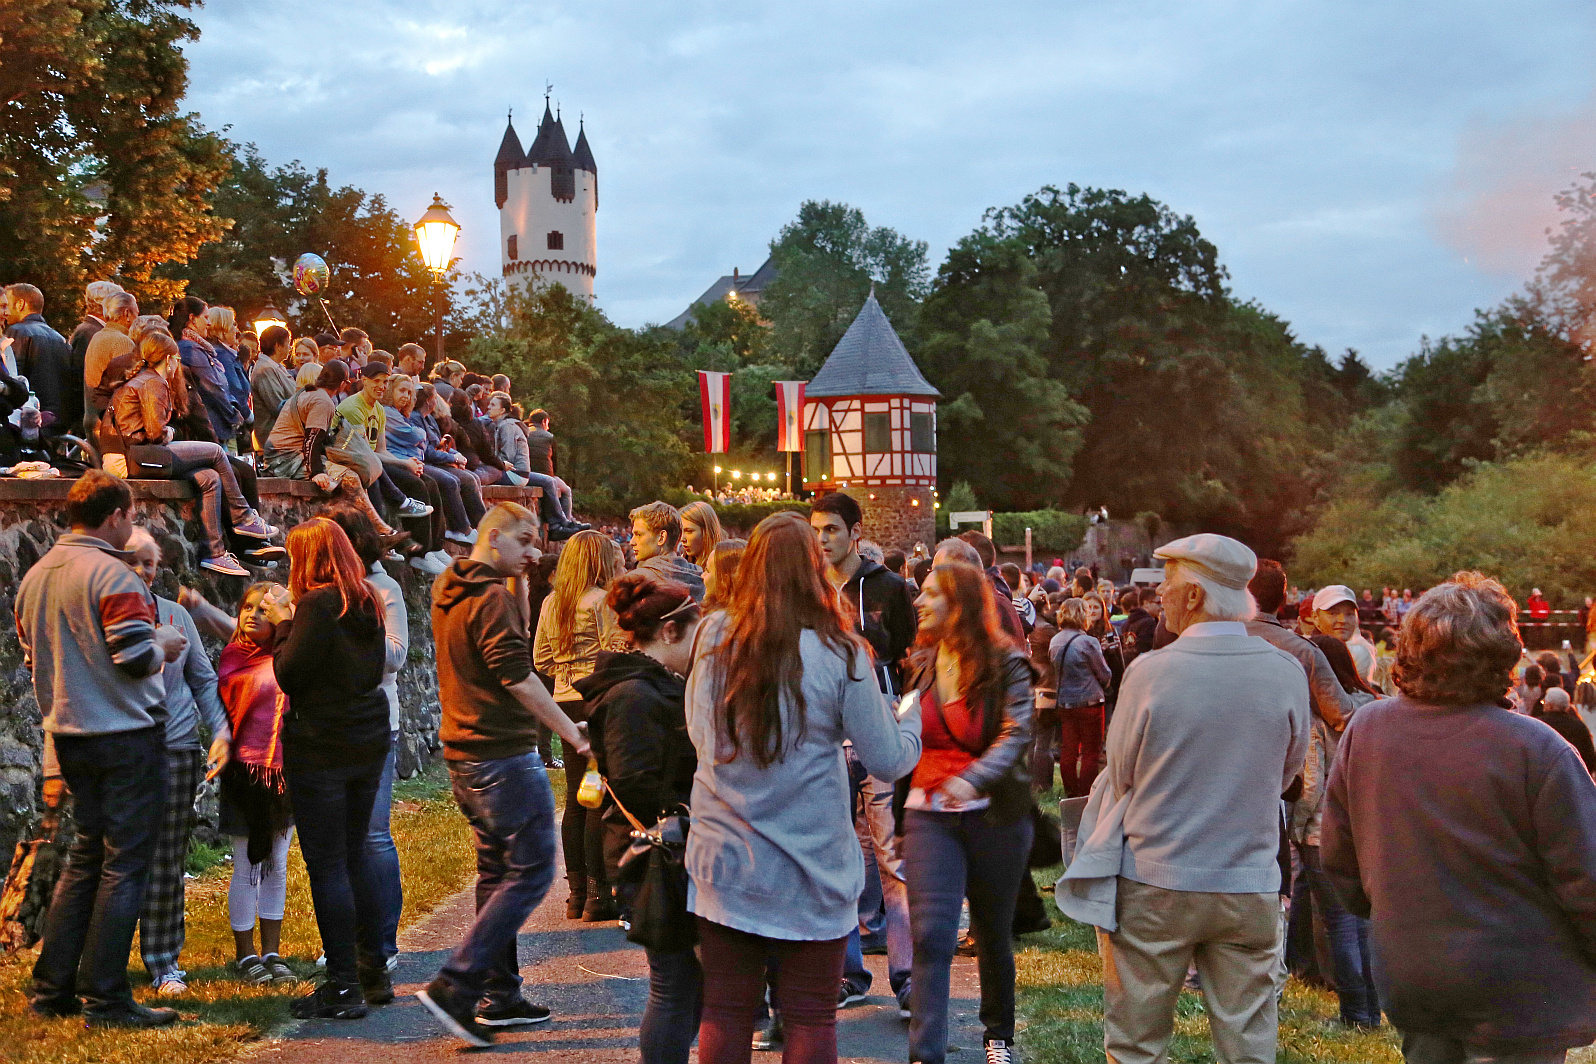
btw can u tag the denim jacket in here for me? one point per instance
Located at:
(1081, 671)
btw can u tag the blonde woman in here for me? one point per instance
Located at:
(305, 352)
(223, 335)
(700, 532)
(573, 626)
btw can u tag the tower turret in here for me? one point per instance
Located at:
(548, 204)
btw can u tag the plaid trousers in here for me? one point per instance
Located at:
(161, 921)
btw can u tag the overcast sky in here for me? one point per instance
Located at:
(1370, 171)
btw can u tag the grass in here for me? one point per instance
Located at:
(221, 1015)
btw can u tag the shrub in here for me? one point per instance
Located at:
(1053, 530)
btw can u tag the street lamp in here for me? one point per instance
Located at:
(268, 317)
(435, 234)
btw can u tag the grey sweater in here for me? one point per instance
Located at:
(1207, 734)
(773, 851)
(190, 685)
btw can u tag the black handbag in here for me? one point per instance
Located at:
(145, 461)
(656, 861)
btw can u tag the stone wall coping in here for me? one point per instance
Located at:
(17, 489)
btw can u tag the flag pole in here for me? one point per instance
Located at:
(789, 472)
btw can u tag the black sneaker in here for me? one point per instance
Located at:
(330, 1001)
(517, 1013)
(132, 1015)
(375, 985)
(848, 994)
(57, 1008)
(999, 1051)
(458, 1016)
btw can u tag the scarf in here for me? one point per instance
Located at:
(253, 779)
(203, 344)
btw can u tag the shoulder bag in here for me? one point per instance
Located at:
(145, 461)
(656, 862)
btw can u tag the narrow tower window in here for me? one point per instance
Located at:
(511, 248)
(556, 241)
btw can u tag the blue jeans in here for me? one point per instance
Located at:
(560, 507)
(118, 784)
(382, 856)
(332, 810)
(948, 857)
(675, 1004)
(510, 807)
(1349, 946)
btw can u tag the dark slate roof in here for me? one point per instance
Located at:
(510, 157)
(745, 284)
(870, 360)
(582, 156)
(551, 148)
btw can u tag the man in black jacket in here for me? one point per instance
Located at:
(44, 357)
(879, 601)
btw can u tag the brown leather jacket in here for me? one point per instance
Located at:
(140, 410)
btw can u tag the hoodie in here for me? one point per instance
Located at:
(675, 567)
(883, 609)
(482, 649)
(637, 724)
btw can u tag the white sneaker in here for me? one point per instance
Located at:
(428, 564)
(463, 538)
(442, 557)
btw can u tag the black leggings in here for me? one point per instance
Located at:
(581, 829)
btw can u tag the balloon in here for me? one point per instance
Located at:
(310, 274)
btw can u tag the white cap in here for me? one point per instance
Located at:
(1330, 596)
(1228, 562)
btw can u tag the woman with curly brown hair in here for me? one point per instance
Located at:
(1466, 834)
(779, 682)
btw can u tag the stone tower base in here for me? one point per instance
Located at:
(891, 518)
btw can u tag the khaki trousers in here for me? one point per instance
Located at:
(1233, 940)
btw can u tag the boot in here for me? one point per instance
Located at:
(376, 986)
(600, 907)
(577, 902)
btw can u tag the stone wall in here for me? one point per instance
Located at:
(893, 520)
(32, 516)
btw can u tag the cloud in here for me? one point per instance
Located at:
(1499, 200)
(1311, 143)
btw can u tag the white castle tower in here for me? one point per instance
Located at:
(548, 207)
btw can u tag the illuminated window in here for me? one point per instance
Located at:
(556, 241)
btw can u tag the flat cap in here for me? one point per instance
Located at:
(1225, 561)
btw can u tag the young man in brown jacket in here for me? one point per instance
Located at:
(492, 703)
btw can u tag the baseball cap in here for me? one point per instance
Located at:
(1333, 594)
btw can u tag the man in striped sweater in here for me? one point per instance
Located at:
(90, 636)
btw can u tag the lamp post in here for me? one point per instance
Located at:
(268, 317)
(435, 234)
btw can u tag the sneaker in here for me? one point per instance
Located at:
(255, 527)
(441, 556)
(466, 539)
(458, 1016)
(427, 564)
(227, 565)
(280, 972)
(321, 960)
(904, 1011)
(414, 508)
(130, 1014)
(848, 994)
(556, 763)
(172, 986)
(267, 555)
(517, 1013)
(330, 1001)
(769, 1035)
(999, 1051)
(393, 964)
(395, 557)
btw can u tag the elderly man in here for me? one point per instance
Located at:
(1182, 831)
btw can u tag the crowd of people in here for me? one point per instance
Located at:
(192, 396)
(786, 752)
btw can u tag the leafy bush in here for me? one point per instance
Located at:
(1053, 530)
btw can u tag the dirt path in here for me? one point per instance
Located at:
(595, 982)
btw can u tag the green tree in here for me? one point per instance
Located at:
(377, 279)
(100, 174)
(827, 260)
(1004, 422)
(615, 396)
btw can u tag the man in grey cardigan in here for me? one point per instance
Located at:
(1207, 734)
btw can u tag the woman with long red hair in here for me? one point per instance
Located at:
(328, 655)
(779, 682)
(967, 832)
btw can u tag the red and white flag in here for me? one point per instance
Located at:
(789, 415)
(714, 390)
